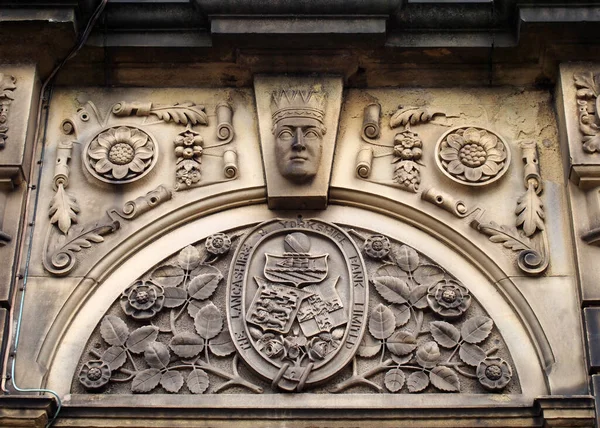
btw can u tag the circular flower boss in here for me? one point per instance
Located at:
(94, 374)
(472, 156)
(377, 246)
(121, 154)
(142, 299)
(218, 244)
(448, 298)
(494, 373)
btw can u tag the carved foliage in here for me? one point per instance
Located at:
(423, 331)
(175, 295)
(407, 148)
(169, 329)
(588, 88)
(7, 87)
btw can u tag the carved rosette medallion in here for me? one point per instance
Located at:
(297, 301)
(472, 155)
(121, 154)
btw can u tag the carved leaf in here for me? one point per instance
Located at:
(401, 360)
(140, 338)
(392, 289)
(476, 329)
(406, 257)
(193, 307)
(208, 321)
(444, 333)
(417, 382)
(189, 258)
(586, 81)
(197, 381)
(171, 381)
(428, 275)
(182, 113)
(402, 314)
(146, 380)
(187, 344)
(508, 236)
(174, 297)
(157, 355)
(591, 144)
(205, 284)
(392, 269)
(530, 212)
(114, 331)
(63, 209)
(444, 379)
(7, 85)
(412, 115)
(256, 333)
(471, 354)
(369, 347)
(85, 239)
(418, 297)
(382, 322)
(168, 276)
(222, 345)
(401, 343)
(115, 357)
(394, 380)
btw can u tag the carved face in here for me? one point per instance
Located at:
(298, 148)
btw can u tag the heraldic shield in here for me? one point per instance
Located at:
(297, 299)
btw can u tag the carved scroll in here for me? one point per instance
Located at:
(61, 259)
(7, 87)
(225, 130)
(370, 127)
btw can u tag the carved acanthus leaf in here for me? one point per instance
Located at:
(63, 209)
(410, 116)
(7, 86)
(530, 212)
(508, 236)
(586, 85)
(183, 113)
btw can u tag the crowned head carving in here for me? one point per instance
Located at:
(298, 127)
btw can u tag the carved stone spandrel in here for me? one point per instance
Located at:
(18, 112)
(143, 134)
(298, 122)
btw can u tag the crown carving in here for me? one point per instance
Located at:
(299, 103)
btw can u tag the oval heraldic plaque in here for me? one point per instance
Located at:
(303, 281)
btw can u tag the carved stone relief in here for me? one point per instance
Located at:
(588, 88)
(7, 87)
(118, 151)
(298, 120)
(533, 256)
(307, 306)
(472, 156)
(406, 150)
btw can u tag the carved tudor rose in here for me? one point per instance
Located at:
(297, 301)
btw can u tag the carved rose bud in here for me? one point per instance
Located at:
(428, 355)
(271, 346)
(94, 374)
(494, 373)
(448, 298)
(142, 299)
(218, 244)
(317, 349)
(377, 246)
(293, 346)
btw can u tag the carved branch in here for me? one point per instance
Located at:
(182, 113)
